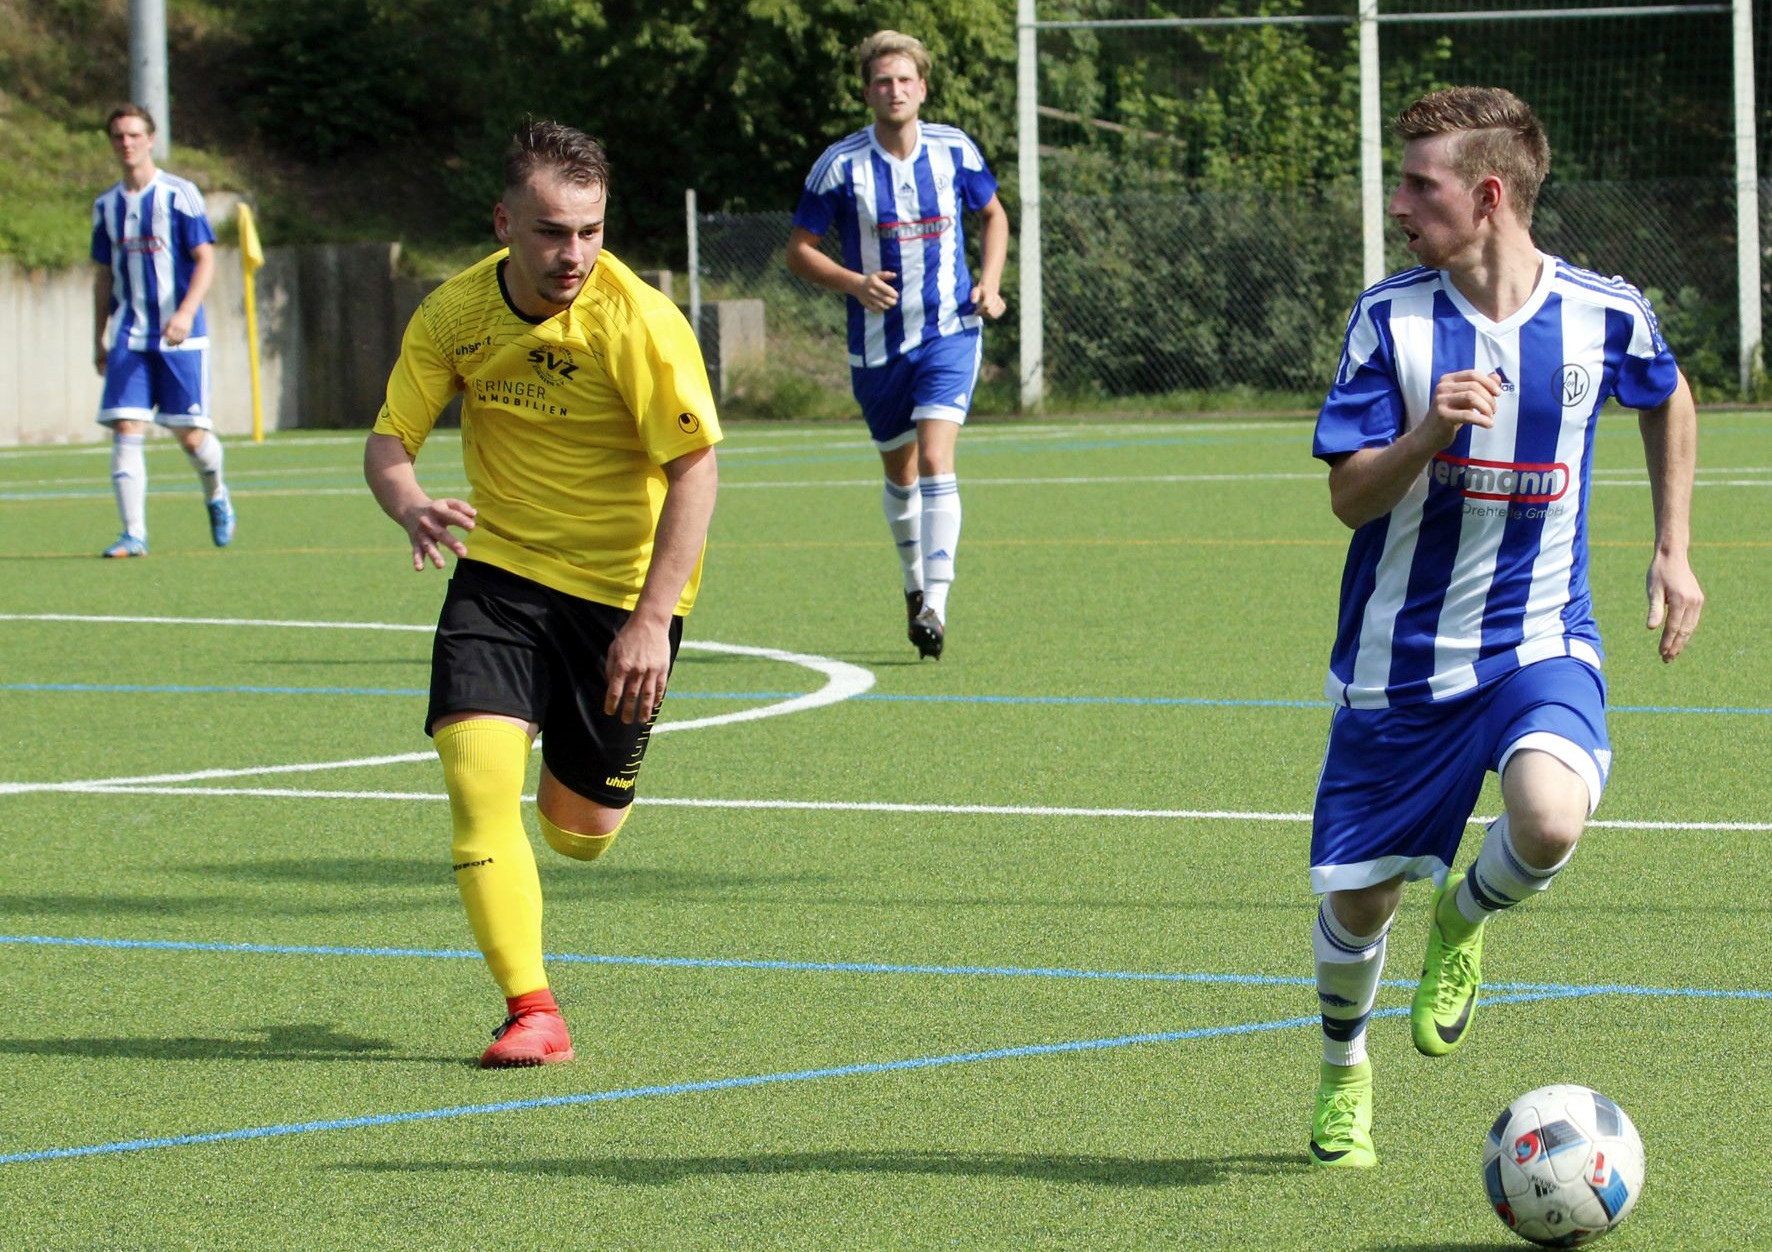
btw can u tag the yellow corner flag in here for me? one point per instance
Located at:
(252, 256)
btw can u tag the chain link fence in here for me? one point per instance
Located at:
(1155, 295)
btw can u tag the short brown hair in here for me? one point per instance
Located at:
(130, 110)
(571, 154)
(890, 43)
(1500, 135)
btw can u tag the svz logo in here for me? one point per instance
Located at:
(554, 369)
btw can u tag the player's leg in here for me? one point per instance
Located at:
(126, 406)
(182, 387)
(902, 504)
(884, 397)
(1549, 721)
(939, 487)
(590, 759)
(1390, 808)
(488, 674)
(946, 376)
(1349, 945)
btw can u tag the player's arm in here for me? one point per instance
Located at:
(639, 658)
(994, 252)
(393, 480)
(875, 291)
(178, 326)
(1670, 449)
(1366, 484)
(101, 312)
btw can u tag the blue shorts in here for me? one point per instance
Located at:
(1398, 784)
(171, 388)
(934, 379)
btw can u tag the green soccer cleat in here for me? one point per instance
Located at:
(1341, 1134)
(1446, 996)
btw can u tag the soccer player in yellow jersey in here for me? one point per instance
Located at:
(588, 432)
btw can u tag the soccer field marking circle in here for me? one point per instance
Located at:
(842, 681)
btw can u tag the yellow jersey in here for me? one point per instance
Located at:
(565, 422)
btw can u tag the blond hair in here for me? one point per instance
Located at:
(1498, 134)
(890, 43)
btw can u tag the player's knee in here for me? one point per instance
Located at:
(483, 766)
(582, 845)
(1366, 910)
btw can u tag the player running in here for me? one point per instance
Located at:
(896, 192)
(1459, 436)
(155, 253)
(588, 433)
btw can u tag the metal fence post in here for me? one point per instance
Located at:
(694, 263)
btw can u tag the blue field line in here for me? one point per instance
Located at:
(669, 1089)
(715, 1084)
(1512, 990)
(676, 696)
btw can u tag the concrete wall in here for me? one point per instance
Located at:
(329, 325)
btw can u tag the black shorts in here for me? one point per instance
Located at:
(506, 644)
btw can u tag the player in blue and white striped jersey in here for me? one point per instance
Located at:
(155, 253)
(1459, 436)
(897, 193)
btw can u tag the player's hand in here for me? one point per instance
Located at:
(428, 525)
(990, 303)
(101, 357)
(876, 293)
(1464, 398)
(1675, 601)
(178, 328)
(635, 671)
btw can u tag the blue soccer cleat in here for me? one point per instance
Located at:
(221, 519)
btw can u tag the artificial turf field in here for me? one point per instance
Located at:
(1010, 950)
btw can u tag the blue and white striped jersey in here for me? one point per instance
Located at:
(902, 216)
(1482, 567)
(146, 237)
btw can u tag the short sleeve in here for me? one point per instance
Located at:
(421, 384)
(1364, 409)
(101, 238)
(659, 371)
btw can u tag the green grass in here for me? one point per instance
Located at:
(839, 1020)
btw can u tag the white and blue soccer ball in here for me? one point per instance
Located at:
(1563, 1165)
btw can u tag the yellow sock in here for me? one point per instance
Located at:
(483, 767)
(579, 847)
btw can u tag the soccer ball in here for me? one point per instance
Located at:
(1563, 1165)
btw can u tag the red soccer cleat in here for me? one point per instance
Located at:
(534, 1033)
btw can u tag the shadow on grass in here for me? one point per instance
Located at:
(1104, 1171)
(303, 1041)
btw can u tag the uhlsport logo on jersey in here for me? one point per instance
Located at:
(553, 365)
(1524, 482)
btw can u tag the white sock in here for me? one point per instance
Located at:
(1348, 969)
(941, 536)
(904, 515)
(129, 482)
(207, 461)
(1500, 879)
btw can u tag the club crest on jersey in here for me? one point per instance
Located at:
(553, 365)
(1523, 482)
(1573, 384)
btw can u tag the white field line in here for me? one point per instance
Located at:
(842, 681)
(145, 788)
